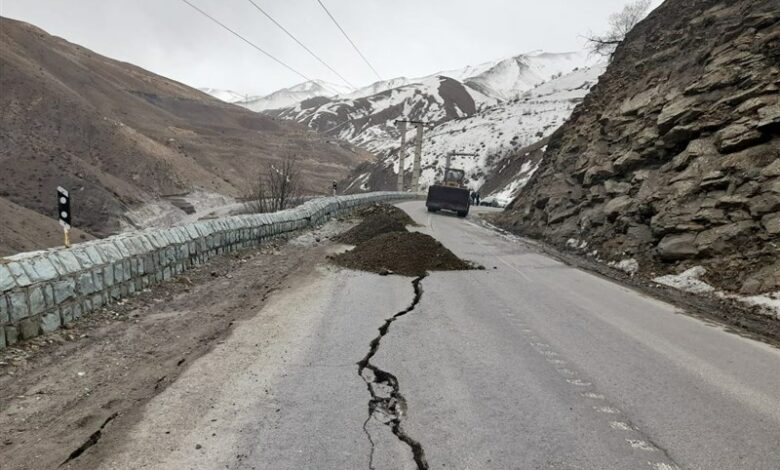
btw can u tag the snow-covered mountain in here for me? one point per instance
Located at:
(509, 78)
(491, 109)
(228, 96)
(287, 97)
(494, 134)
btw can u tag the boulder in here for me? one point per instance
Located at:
(640, 233)
(753, 104)
(721, 239)
(768, 116)
(677, 247)
(597, 174)
(731, 201)
(634, 104)
(766, 279)
(680, 134)
(764, 203)
(771, 223)
(736, 137)
(647, 137)
(627, 161)
(616, 187)
(772, 170)
(619, 205)
(682, 110)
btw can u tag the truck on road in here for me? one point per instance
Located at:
(449, 193)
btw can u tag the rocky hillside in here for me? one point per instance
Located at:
(673, 159)
(119, 137)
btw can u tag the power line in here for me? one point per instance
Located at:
(348, 39)
(300, 43)
(278, 61)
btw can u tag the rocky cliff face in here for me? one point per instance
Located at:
(674, 157)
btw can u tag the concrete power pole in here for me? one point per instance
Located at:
(401, 155)
(417, 153)
(417, 158)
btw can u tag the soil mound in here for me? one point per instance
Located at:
(377, 219)
(406, 253)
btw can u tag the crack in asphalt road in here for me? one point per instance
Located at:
(387, 405)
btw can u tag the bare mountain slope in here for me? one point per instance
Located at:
(674, 156)
(25, 230)
(118, 136)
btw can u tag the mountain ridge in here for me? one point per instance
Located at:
(120, 137)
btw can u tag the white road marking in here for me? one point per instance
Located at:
(579, 383)
(641, 445)
(663, 466)
(595, 396)
(607, 409)
(620, 426)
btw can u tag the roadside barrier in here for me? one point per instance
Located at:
(41, 291)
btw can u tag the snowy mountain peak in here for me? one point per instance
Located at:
(509, 78)
(228, 96)
(287, 97)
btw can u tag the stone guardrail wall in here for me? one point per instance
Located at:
(43, 290)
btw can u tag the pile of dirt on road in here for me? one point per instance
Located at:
(406, 253)
(377, 219)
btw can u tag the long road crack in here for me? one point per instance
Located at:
(387, 404)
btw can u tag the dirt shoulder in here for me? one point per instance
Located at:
(738, 317)
(62, 393)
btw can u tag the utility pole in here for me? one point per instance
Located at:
(417, 151)
(401, 155)
(417, 159)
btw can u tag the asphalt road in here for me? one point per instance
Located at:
(531, 365)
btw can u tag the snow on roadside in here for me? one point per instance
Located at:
(770, 301)
(689, 281)
(630, 265)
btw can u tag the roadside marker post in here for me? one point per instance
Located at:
(63, 212)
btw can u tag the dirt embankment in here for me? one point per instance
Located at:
(71, 395)
(385, 246)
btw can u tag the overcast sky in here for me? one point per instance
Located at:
(399, 37)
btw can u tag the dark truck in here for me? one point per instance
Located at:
(449, 194)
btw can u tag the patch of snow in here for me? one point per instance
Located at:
(770, 301)
(508, 193)
(687, 281)
(630, 265)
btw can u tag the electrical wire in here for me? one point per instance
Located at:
(349, 39)
(278, 61)
(300, 43)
